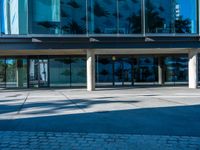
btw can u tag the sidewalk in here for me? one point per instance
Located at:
(83, 141)
(166, 118)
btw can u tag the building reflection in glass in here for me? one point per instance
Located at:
(96, 17)
(176, 69)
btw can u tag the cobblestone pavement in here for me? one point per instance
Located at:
(84, 141)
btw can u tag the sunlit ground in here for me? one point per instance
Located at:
(158, 110)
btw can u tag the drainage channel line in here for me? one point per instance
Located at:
(162, 99)
(21, 107)
(72, 102)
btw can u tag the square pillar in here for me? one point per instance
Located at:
(193, 69)
(160, 71)
(90, 70)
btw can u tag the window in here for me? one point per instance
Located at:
(159, 16)
(73, 17)
(171, 16)
(103, 16)
(176, 69)
(2, 72)
(78, 71)
(130, 17)
(104, 70)
(14, 16)
(44, 16)
(16, 72)
(186, 16)
(60, 72)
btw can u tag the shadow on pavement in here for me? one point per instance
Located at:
(179, 121)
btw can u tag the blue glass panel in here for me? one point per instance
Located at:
(45, 16)
(146, 69)
(2, 72)
(103, 16)
(199, 68)
(176, 69)
(14, 16)
(159, 16)
(104, 70)
(171, 16)
(186, 16)
(73, 17)
(59, 72)
(78, 71)
(16, 72)
(129, 16)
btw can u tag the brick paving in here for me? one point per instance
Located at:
(90, 141)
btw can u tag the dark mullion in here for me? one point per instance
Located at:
(27, 69)
(70, 67)
(48, 70)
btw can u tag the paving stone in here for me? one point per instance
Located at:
(95, 141)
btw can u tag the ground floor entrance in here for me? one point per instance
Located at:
(141, 70)
(110, 70)
(38, 72)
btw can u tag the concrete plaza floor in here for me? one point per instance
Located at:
(155, 111)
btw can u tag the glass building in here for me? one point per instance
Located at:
(94, 43)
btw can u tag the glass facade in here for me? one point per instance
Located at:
(16, 72)
(98, 17)
(126, 70)
(111, 70)
(146, 69)
(103, 17)
(171, 16)
(104, 70)
(176, 69)
(13, 72)
(38, 72)
(130, 16)
(78, 71)
(14, 16)
(42, 72)
(199, 68)
(73, 16)
(2, 72)
(60, 72)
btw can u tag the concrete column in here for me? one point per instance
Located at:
(90, 70)
(193, 69)
(160, 71)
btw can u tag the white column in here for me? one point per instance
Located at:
(160, 71)
(193, 69)
(90, 70)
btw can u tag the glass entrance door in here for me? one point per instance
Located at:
(123, 71)
(146, 70)
(38, 73)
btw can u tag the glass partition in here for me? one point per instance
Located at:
(186, 16)
(16, 72)
(126, 70)
(146, 69)
(104, 70)
(159, 16)
(2, 72)
(102, 16)
(199, 67)
(78, 71)
(44, 16)
(129, 15)
(98, 17)
(171, 16)
(73, 17)
(60, 72)
(38, 72)
(176, 69)
(14, 16)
